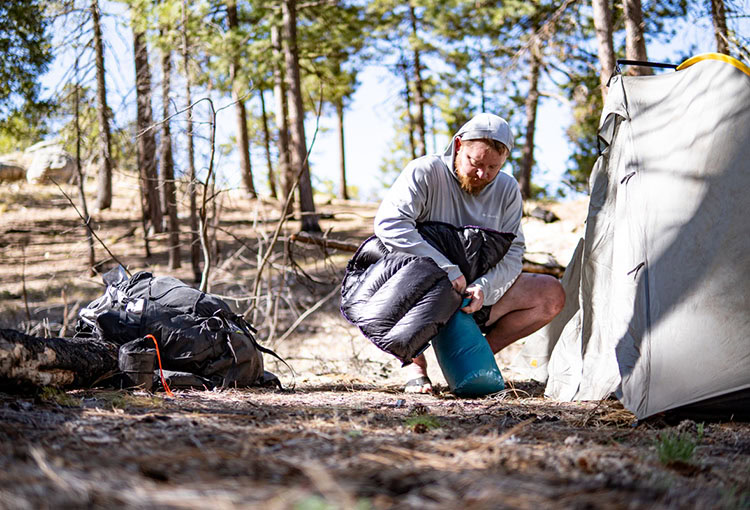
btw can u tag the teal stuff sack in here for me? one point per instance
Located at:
(466, 359)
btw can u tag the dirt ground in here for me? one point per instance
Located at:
(340, 434)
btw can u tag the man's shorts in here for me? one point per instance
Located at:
(481, 317)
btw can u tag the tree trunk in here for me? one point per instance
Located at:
(419, 100)
(605, 46)
(532, 101)
(297, 118)
(407, 100)
(58, 362)
(267, 142)
(167, 164)
(482, 82)
(243, 140)
(79, 172)
(282, 116)
(146, 141)
(343, 194)
(719, 18)
(635, 42)
(195, 248)
(104, 195)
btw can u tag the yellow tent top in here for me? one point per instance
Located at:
(715, 56)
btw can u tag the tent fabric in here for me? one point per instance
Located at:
(658, 291)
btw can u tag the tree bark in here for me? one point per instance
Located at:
(297, 118)
(419, 99)
(343, 193)
(407, 100)
(167, 164)
(104, 195)
(192, 191)
(532, 101)
(605, 45)
(635, 42)
(719, 18)
(79, 172)
(267, 143)
(282, 117)
(59, 362)
(243, 140)
(146, 141)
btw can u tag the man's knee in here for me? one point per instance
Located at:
(553, 297)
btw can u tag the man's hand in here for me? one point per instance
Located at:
(459, 284)
(477, 299)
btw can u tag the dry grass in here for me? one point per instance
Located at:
(345, 436)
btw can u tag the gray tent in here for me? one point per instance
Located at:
(658, 291)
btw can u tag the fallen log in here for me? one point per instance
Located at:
(59, 362)
(549, 267)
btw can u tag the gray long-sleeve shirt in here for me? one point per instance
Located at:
(428, 190)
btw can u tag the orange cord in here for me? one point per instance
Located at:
(161, 372)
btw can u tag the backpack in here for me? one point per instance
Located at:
(201, 342)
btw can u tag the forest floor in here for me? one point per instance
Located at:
(341, 434)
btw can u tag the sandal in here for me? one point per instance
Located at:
(418, 385)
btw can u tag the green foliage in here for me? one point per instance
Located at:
(25, 47)
(422, 422)
(122, 140)
(319, 503)
(583, 132)
(59, 397)
(22, 128)
(678, 446)
(24, 44)
(733, 499)
(124, 399)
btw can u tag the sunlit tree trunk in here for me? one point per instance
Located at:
(195, 248)
(635, 41)
(166, 164)
(267, 143)
(104, 195)
(79, 172)
(605, 47)
(532, 101)
(343, 194)
(297, 118)
(407, 101)
(146, 141)
(240, 110)
(719, 18)
(282, 116)
(419, 100)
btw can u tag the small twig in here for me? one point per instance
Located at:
(64, 328)
(282, 220)
(592, 412)
(23, 283)
(307, 313)
(86, 222)
(304, 237)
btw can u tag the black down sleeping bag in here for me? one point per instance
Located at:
(400, 301)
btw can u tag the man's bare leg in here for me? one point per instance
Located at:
(530, 303)
(417, 371)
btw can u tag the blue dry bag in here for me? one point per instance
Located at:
(465, 357)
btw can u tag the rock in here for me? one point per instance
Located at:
(49, 160)
(11, 171)
(543, 214)
(574, 440)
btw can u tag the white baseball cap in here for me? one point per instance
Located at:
(487, 126)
